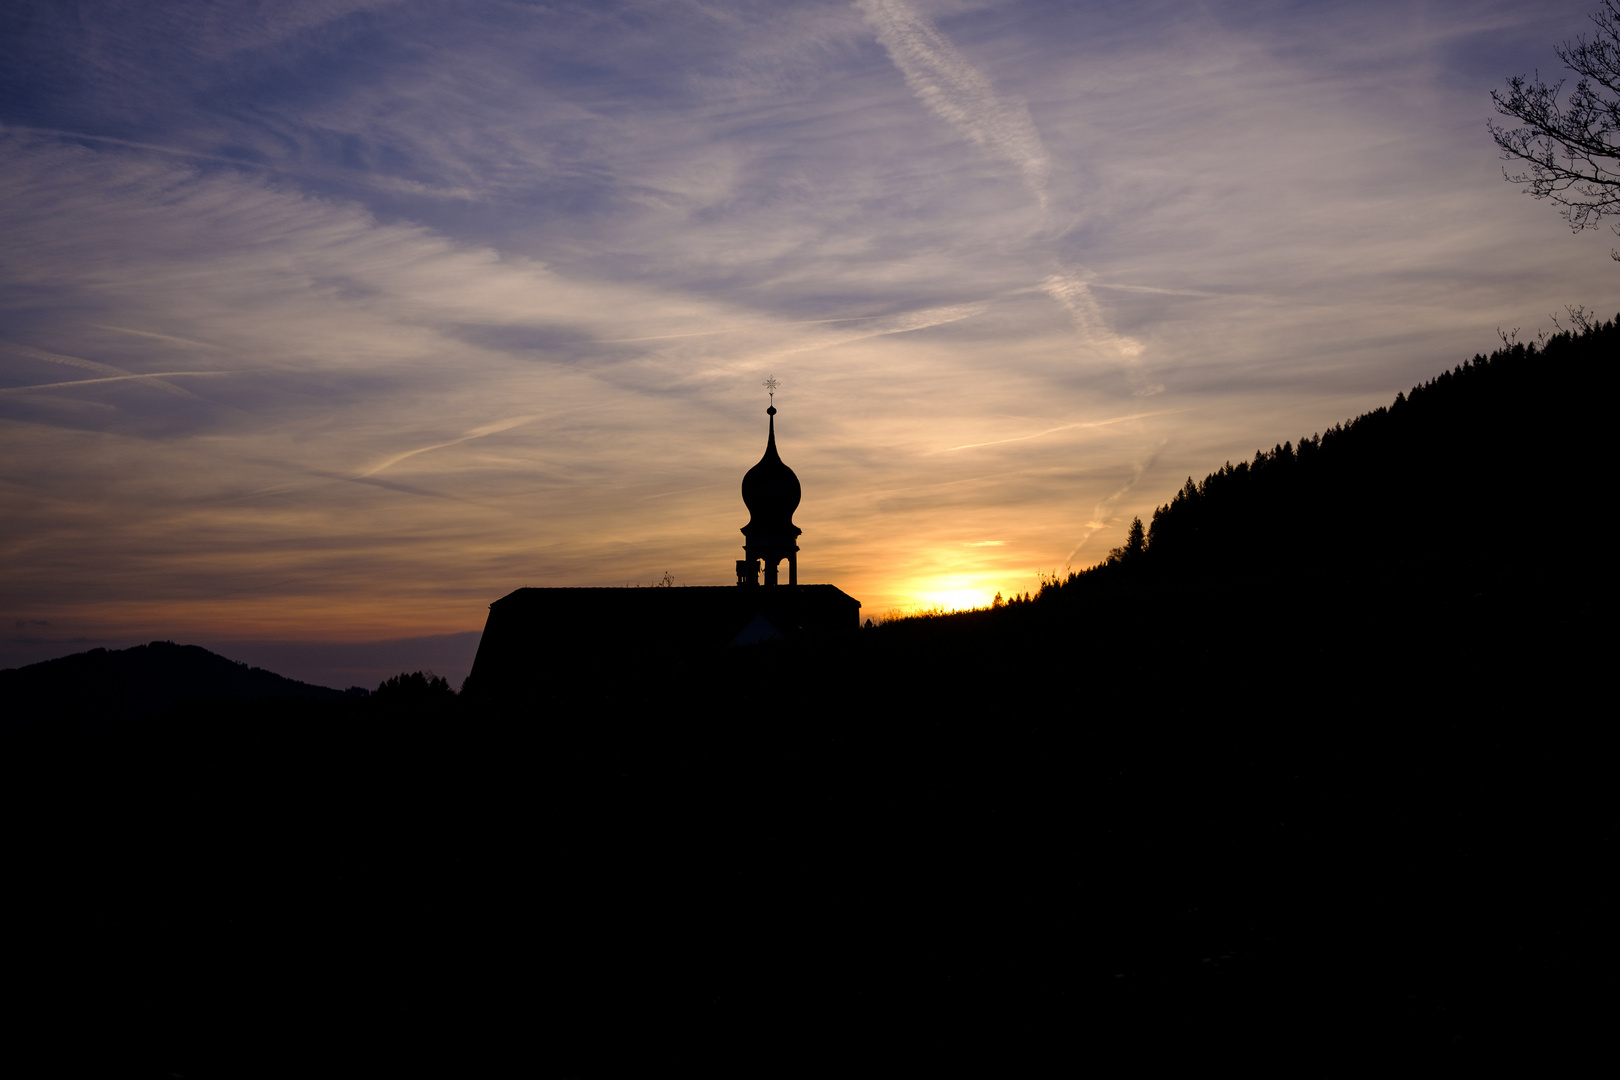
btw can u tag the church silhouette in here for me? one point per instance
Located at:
(530, 630)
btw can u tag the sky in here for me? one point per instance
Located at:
(325, 323)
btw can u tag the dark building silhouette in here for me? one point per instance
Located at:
(770, 490)
(529, 629)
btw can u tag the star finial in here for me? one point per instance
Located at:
(770, 386)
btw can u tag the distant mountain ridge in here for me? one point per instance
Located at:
(104, 685)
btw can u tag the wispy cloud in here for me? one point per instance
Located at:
(957, 92)
(379, 182)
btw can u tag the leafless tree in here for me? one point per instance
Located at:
(1570, 153)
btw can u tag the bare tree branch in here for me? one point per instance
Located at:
(1570, 152)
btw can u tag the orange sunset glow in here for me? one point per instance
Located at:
(255, 394)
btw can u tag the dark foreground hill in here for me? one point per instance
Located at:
(1303, 809)
(102, 685)
(1432, 501)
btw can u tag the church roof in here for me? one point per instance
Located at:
(531, 632)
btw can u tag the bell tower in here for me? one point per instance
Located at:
(770, 490)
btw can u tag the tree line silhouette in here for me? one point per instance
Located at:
(1436, 495)
(1300, 772)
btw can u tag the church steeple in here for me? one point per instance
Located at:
(770, 490)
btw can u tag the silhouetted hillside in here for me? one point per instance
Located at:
(1300, 781)
(1344, 573)
(119, 684)
(1419, 499)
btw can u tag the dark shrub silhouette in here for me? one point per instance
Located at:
(415, 689)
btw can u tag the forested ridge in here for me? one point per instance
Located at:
(1302, 780)
(1432, 493)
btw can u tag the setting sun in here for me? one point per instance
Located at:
(955, 594)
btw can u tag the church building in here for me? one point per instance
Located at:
(530, 628)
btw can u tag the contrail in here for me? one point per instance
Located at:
(156, 377)
(963, 97)
(957, 92)
(678, 491)
(385, 183)
(160, 337)
(109, 373)
(1075, 296)
(474, 433)
(1154, 289)
(886, 324)
(911, 320)
(1063, 427)
(891, 324)
(1102, 508)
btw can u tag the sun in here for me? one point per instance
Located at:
(954, 594)
(958, 599)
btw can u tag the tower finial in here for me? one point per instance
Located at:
(770, 387)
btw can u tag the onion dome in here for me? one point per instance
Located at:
(771, 492)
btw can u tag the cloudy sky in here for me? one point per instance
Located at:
(328, 322)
